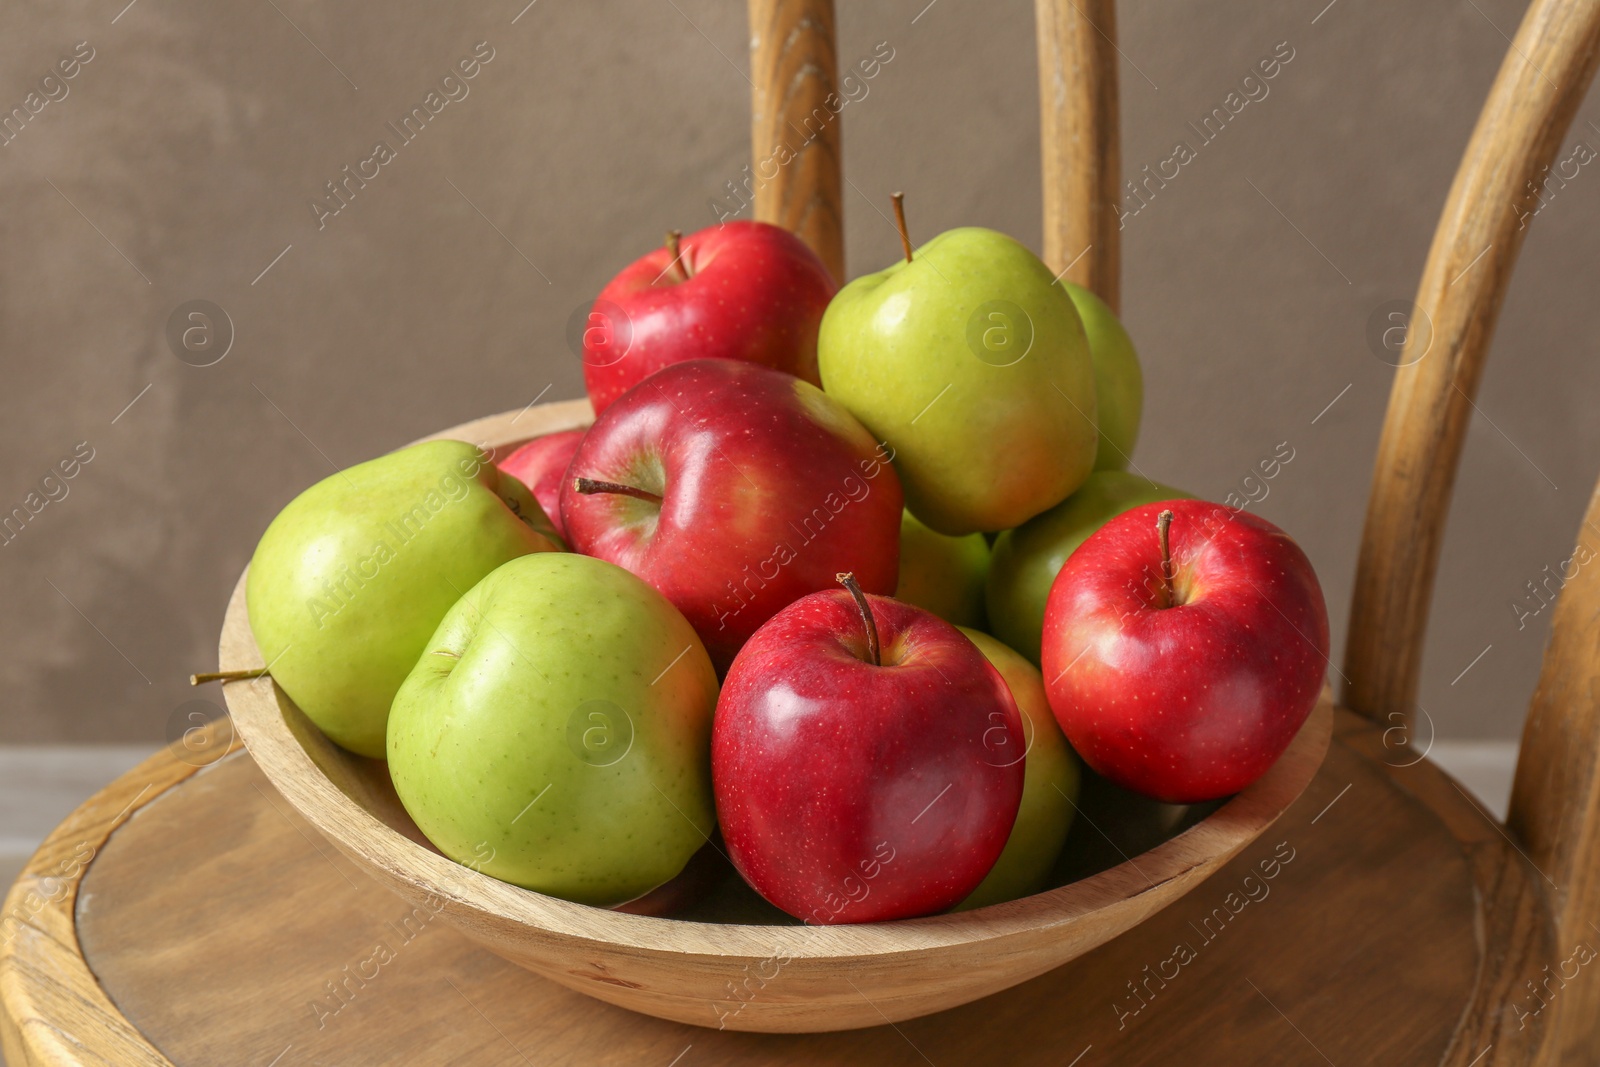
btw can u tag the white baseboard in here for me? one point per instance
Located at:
(41, 784)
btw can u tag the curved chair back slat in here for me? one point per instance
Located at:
(1555, 802)
(1079, 143)
(1540, 84)
(794, 123)
(1555, 807)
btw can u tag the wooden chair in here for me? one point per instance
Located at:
(1385, 919)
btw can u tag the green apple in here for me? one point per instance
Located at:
(1118, 382)
(353, 576)
(942, 574)
(1050, 784)
(1028, 558)
(972, 365)
(557, 732)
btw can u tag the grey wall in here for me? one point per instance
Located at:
(196, 137)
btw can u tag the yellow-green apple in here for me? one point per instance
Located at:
(355, 573)
(734, 489)
(865, 760)
(1027, 559)
(1184, 645)
(1050, 785)
(540, 465)
(1118, 381)
(556, 732)
(972, 363)
(942, 574)
(742, 290)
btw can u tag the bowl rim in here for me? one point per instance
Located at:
(263, 713)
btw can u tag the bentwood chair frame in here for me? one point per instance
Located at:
(1536, 879)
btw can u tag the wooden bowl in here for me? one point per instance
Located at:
(721, 973)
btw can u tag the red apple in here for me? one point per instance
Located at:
(735, 490)
(866, 760)
(749, 291)
(1185, 684)
(539, 465)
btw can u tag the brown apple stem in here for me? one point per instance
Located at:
(679, 267)
(227, 676)
(900, 222)
(590, 485)
(848, 580)
(1163, 526)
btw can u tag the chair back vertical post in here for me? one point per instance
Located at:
(1555, 800)
(1079, 143)
(1540, 84)
(796, 166)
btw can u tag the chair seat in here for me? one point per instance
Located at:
(226, 931)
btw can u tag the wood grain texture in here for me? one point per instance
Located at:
(1080, 144)
(53, 1010)
(673, 968)
(218, 920)
(1555, 799)
(1540, 84)
(795, 133)
(1516, 935)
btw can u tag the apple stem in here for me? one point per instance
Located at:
(848, 580)
(679, 267)
(590, 485)
(1163, 526)
(227, 676)
(900, 222)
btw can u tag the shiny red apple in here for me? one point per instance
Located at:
(1184, 680)
(539, 465)
(749, 291)
(735, 490)
(866, 761)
